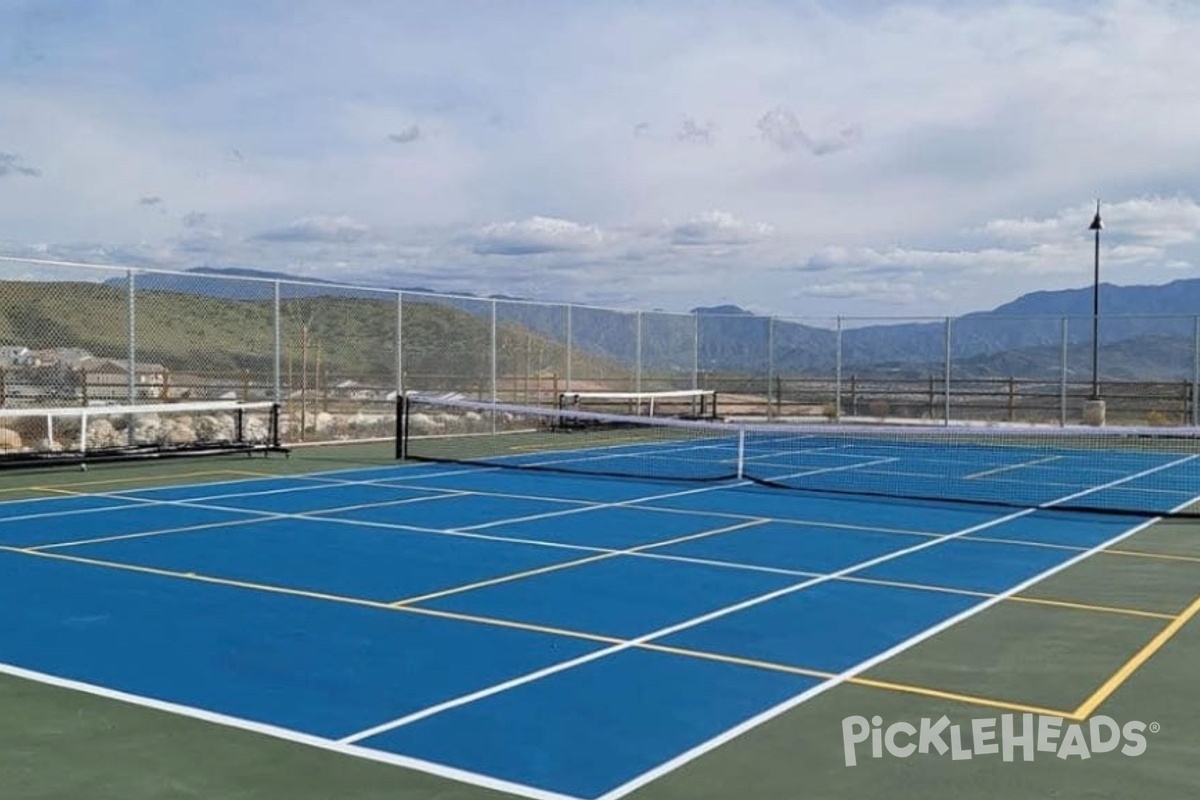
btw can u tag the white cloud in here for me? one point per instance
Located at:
(969, 139)
(1149, 220)
(718, 228)
(317, 229)
(1024, 231)
(884, 293)
(534, 236)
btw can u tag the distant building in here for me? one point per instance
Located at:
(355, 390)
(108, 379)
(15, 356)
(68, 357)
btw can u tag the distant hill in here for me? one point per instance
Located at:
(349, 337)
(1014, 337)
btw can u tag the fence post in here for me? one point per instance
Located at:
(1195, 370)
(495, 366)
(399, 346)
(277, 324)
(132, 345)
(946, 413)
(1012, 399)
(837, 380)
(772, 396)
(568, 375)
(637, 333)
(695, 350)
(1062, 383)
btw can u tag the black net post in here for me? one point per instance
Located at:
(401, 426)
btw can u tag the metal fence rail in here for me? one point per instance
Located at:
(335, 356)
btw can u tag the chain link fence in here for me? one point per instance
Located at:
(335, 357)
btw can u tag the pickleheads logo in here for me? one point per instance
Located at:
(1005, 737)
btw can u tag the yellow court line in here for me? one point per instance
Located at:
(738, 660)
(1039, 601)
(516, 576)
(192, 576)
(1110, 686)
(150, 484)
(8, 489)
(61, 491)
(858, 680)
(1131, 612)
(312, 595)
(1003, 705)
(1160, 556)
(748, 523)
(546, 629)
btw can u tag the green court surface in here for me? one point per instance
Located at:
(1112, 635)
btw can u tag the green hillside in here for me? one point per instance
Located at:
(340, 338)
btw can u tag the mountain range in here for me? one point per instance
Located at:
(1146, 332)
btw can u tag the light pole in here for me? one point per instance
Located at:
(1096, 227)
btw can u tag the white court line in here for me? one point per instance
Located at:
(126, 504)
(771, 713)
(117, 537)
(721, 612)
(317, 515)
(252, 514)
(1022, 465)
(276, 732)
(647, 499)
(657, 634)
(429, 767)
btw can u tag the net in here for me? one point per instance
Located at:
(1138, 471)
(681, 403)
(112, 432)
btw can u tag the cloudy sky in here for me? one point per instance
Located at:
(792, 157)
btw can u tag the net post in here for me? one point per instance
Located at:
(741, 454)
(275, 440)
(239, 427)
(401, 427)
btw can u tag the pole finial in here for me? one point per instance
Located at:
(1096, 223)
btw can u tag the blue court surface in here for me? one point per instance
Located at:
(547, 635)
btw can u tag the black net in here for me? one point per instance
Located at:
(1139, 471)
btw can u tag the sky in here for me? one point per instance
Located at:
(856, 157)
